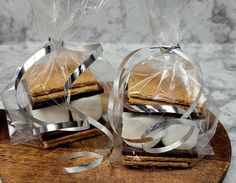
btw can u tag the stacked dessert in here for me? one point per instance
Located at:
(150, 87)
(45, 87)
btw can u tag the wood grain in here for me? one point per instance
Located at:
(21, 163)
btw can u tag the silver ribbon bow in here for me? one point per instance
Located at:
(95, 51)
(118, 101)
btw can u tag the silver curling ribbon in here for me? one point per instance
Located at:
(87, 120)
(118, 100)
(94, 51)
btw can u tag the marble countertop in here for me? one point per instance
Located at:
(217, 62)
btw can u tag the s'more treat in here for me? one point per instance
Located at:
(148, 85)
(45, 87)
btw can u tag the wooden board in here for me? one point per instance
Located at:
(27, 164)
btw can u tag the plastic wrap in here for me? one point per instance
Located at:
(159, 105)
(61, 90)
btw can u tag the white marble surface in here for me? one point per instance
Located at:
(212, 22)
(217, 61)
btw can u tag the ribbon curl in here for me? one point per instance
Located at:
(117, 102)
(95, 51)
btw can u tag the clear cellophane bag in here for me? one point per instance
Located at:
(159, 105)
(59, 95)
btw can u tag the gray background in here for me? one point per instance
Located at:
(120, 21)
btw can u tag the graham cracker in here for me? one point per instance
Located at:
(60, 94)
(132, 156)
(71, 138)
(146, 161)
(46, 81)
(138, 101)
(149, 85)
